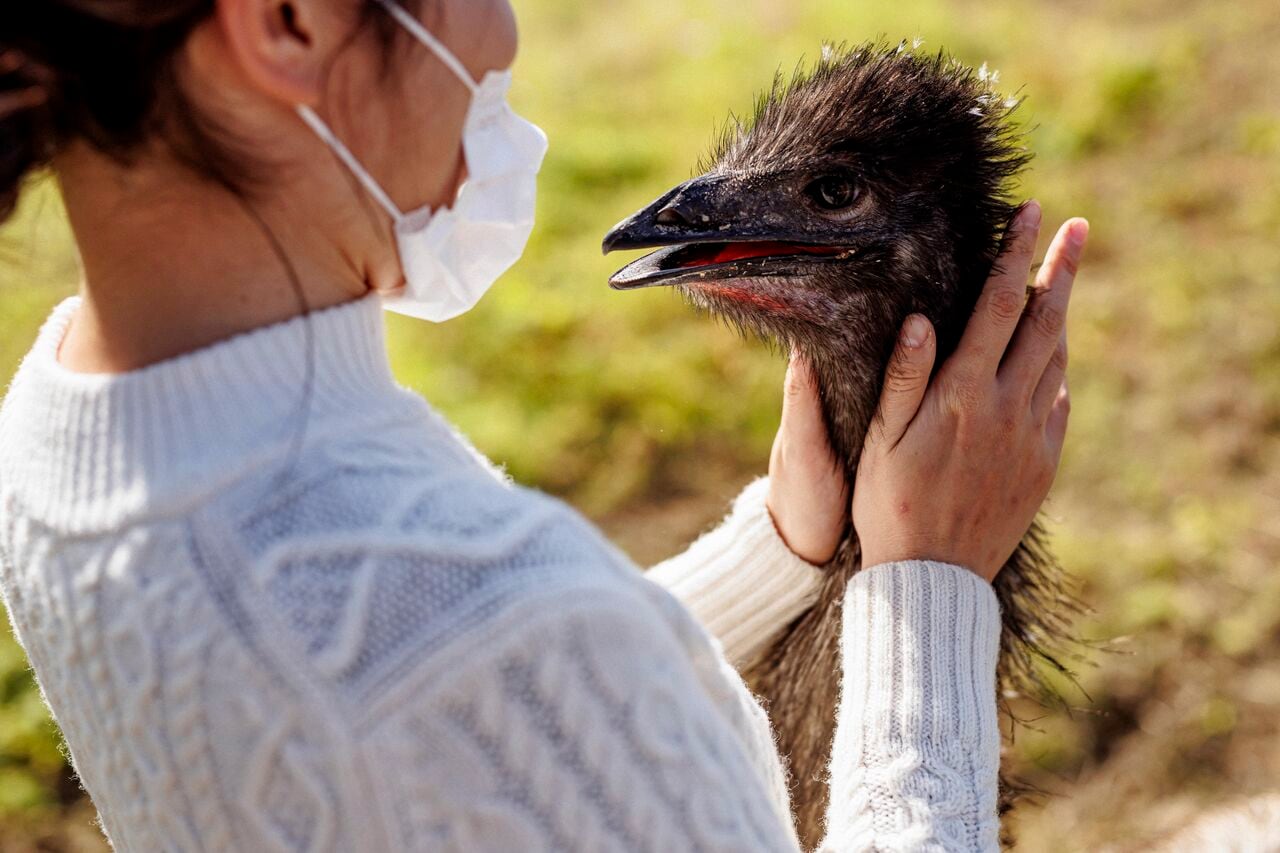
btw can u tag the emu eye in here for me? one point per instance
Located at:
(832, 192)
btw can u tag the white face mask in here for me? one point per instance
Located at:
(451, 257)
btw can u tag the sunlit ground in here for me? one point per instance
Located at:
(1158, 120)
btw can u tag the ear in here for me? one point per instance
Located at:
(281, 46)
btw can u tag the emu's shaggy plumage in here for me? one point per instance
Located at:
(874, 185)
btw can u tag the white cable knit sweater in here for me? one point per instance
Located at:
(379, 643)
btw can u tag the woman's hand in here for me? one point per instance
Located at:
(955, 470)
(808, 497)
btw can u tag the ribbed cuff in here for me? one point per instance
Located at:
(917, 747)
(920, 644)
(741, 580)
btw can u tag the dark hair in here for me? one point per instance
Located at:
(101, 71)
(85, 69)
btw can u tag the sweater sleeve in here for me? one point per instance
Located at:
(741, 580)
(591, 725)
(917, 747)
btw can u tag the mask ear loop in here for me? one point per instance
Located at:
(422, 34)
(318, 126)
(344, 154)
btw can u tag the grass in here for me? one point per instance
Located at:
(1160, 121)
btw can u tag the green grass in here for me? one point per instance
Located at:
(1157, 120)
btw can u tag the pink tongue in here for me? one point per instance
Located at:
(738, 251)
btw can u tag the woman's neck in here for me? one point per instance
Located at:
(173, 263)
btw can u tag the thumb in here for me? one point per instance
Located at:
(800, 391)
(905, 380)
(803, 432)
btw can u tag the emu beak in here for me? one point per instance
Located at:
(718, 227)
(700, 210)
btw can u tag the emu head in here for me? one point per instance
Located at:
(873, 186)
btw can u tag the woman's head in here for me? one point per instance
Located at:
(211, 86)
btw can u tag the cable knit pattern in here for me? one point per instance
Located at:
(372, 640)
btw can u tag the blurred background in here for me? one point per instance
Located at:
(1159, 120)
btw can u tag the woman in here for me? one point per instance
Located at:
(276, 603)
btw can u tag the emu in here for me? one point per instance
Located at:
(875, 185)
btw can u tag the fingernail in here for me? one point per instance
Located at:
(1078, 233)
(1031, 214)
(914, 331)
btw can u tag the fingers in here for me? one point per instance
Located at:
(808, 493)
(801, 407)
(996, 315)
(1051, 382)
(905, 380)
(1043, 323)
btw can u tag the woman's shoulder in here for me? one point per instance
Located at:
(434, 504)
(381, 558)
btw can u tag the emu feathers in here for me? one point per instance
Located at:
(872, 186)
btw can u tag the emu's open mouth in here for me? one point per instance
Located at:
(690, 263)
